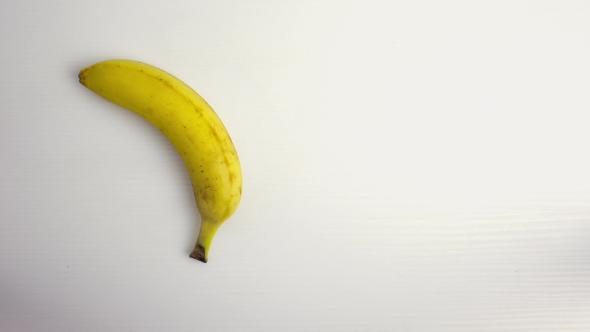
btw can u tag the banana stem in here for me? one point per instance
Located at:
(201, 250)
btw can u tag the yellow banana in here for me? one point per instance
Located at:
(189, 123)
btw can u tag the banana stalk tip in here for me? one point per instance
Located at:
(199, 254)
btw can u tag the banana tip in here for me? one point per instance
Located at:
(199, 254)
(81, 77)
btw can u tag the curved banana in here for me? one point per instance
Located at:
(189, 123)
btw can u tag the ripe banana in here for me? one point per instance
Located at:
(189, 123)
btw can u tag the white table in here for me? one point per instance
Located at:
(408, 166)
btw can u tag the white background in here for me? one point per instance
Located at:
(408, 166)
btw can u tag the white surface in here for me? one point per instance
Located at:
(408, 166)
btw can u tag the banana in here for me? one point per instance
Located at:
(192, 127)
